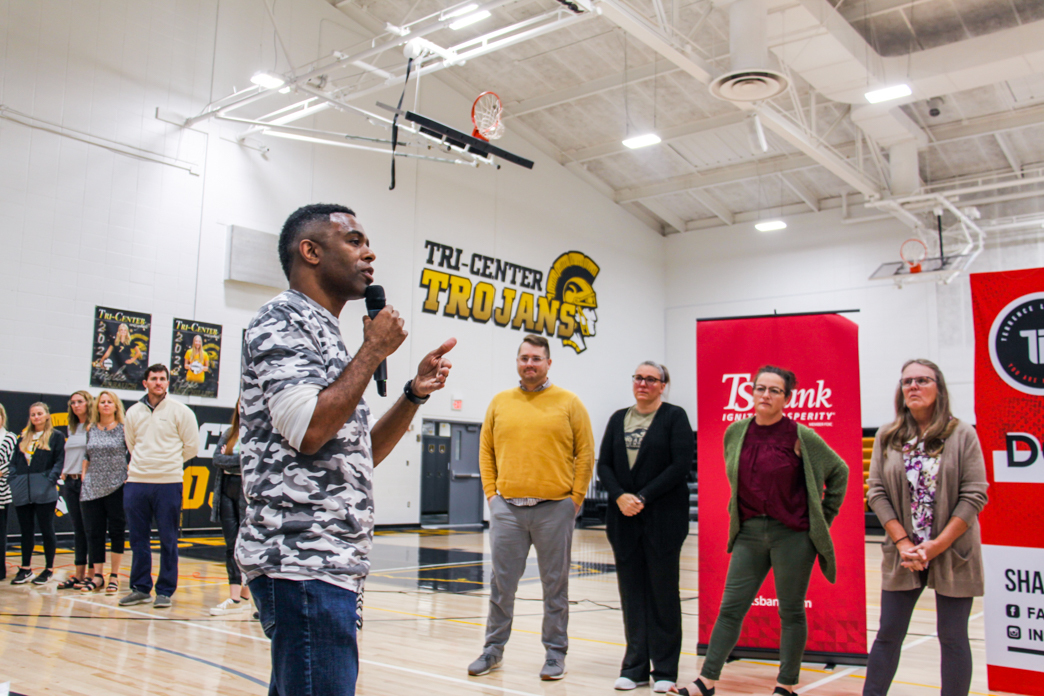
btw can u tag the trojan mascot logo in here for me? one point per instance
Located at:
(564, 307)
(571, 282)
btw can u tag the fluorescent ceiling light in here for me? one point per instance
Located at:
(470, 19)
(641, 141)
(770, 226)
(266, 80)
(461, 11)
(888, 93)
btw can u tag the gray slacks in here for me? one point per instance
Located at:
(512, 530)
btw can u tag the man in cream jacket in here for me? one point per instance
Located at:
(162, 434)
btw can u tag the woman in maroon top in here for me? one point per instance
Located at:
(775, 467)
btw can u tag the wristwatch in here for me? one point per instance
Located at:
(408, 391)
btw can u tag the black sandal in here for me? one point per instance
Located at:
(114, 584)
(704, 691)
(91, 586)
(71, 583)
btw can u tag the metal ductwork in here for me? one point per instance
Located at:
(749, 79)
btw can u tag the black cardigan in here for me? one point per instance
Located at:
(659, 475)
(35, 480)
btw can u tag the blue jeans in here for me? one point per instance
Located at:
(312, 626)
(142, 502)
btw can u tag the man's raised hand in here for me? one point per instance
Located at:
(433, 370)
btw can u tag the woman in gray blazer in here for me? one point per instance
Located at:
(927, 486)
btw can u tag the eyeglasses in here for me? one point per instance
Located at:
(638, 379)
(919, 381)
(774, 391)
(527, 359)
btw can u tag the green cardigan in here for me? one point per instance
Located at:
(823, 468)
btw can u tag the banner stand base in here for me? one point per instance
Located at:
(827, 658)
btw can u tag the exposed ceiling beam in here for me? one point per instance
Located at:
(640, 28)
(940, 135)
(1009, 152)
(718, 176)
(801, 192)
(711, 203)
(616, 147)
(987, 125)
(588, 89)
(781, 125)
(660, 210)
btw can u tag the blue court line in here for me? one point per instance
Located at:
(151, 647)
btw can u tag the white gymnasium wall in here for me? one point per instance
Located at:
(819, 263)
(82, 226)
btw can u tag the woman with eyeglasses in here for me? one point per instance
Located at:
(787, 488)
(927, 486)
(645, 458)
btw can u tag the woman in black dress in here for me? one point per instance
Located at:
(645, 459)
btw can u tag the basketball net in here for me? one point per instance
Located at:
(485, 116)
(913, 252)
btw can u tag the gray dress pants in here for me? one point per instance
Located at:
(512, 530)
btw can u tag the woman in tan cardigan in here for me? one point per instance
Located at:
(927, 486)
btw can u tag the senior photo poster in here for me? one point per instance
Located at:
(195, 352)
(120, 349)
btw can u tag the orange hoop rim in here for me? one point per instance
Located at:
(493, 130)
(913, 264)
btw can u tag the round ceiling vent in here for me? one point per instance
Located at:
(748, 85)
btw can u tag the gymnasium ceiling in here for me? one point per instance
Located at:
(578, 90)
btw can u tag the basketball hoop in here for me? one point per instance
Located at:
(485, 115)
(913, 252)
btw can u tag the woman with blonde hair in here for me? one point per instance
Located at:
(229, 507)
(927, 486)
(104, 473)
(80, 404)
(127, 358)
(35, 469)
(8, 444)
(197, 362)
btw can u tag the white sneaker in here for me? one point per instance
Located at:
(625, 684)
(229, 606)
(662, 686)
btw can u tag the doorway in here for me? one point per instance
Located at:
(451, 485)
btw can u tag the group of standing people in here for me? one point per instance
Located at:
(118, 471)
(91, 463)
(304, 418)
(927, 486)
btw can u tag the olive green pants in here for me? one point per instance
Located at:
(765, 544)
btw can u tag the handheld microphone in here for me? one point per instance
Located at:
(374, 304)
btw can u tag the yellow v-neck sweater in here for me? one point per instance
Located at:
(537, 445)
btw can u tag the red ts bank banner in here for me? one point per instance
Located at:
(1009, 410)
(823, 351)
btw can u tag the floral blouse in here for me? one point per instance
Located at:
(922, 472)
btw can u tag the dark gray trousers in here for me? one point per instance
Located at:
(951, 615)
(548, 526)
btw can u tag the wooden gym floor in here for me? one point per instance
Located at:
(425, 608)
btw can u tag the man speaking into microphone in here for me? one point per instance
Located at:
(309, 447)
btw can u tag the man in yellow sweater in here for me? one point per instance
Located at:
(536, 458)
(161, 434)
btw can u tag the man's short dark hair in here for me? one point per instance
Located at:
(539, 341)
(158, 367)
(297, 223)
